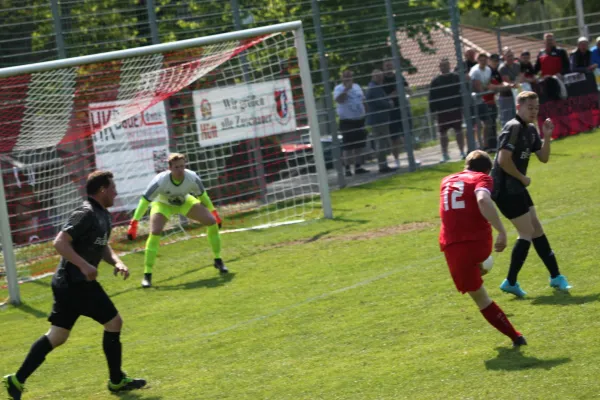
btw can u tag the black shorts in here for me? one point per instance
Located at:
(86, 298)
(514, 205)
(354, 133)
(451, 119)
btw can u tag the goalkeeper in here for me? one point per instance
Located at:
(176, 191)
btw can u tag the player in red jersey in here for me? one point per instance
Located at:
(467, 211)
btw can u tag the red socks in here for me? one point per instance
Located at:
(496, 317)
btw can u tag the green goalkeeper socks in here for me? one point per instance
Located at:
(214, 238)
(151, 250)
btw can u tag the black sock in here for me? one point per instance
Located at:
(111, 343)
(547, 255)
(517, 259)
(36, 356)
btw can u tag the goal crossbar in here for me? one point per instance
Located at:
(150, 49)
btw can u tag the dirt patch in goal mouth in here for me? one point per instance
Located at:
(383, 232)
(366, 235)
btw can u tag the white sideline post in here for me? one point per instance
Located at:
(10, 263)
(313, 121)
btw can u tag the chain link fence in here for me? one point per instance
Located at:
(351, 35)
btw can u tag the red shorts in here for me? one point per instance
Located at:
(463, 261)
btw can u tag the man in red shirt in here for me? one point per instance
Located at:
(467, 210)
(552, 60)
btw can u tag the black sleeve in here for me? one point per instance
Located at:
(433, 95)
(538, 65)
(457, 83)
(509, 136)
(566, 63)
(79, 222)
(537, 141)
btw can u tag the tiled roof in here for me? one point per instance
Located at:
(482, 40)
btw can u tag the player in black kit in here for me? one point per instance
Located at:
(518, 140)
(82, 244)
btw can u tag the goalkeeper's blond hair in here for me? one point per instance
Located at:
(175, 157)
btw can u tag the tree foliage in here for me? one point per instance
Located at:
(355, 32)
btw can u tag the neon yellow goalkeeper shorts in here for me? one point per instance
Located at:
(167, 210)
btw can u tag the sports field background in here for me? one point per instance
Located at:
(359, 307)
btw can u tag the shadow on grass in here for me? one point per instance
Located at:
(213, 282)
(43, 282)
(350, 220)
(564, 299)
(136, 395)
(509, 359)
(32, 311)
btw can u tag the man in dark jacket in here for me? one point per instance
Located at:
(581, 59)
(445, 101)
(552, 60)
(378, 118)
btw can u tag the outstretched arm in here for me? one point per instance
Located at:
(206, 202)
(543, 154)
(113, 259)
(487, 209)
(141, 209)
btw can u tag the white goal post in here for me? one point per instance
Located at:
(47, 106)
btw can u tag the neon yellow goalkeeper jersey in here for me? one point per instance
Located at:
(164, 190)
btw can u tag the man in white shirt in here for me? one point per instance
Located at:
(480, 75)
(351, 110)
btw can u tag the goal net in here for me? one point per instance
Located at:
(235, 104)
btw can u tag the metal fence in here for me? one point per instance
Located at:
(352, 34)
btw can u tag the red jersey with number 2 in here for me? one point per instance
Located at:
(461, 219)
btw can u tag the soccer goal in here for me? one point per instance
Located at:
(240, 105)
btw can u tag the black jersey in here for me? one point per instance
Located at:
(522, 140)
(89, 226)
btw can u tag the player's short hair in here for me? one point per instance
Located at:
(482, 55)
(175, 157)
(526, 95)
(525, 53)
(98, 180)
(478, 161)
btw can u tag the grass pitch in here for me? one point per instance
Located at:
(359, 307)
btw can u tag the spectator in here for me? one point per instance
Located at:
(445, 101)
(527, 68)
(510, 71)
(528, 79)
(581, 58)
(379, 118)
(480, 75)
(351, 111)
(596, 52)
(496, 85)
(469, 62)
(552, 60)
(396, 127)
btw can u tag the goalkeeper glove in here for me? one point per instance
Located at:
(132, 231)
(216, 215)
